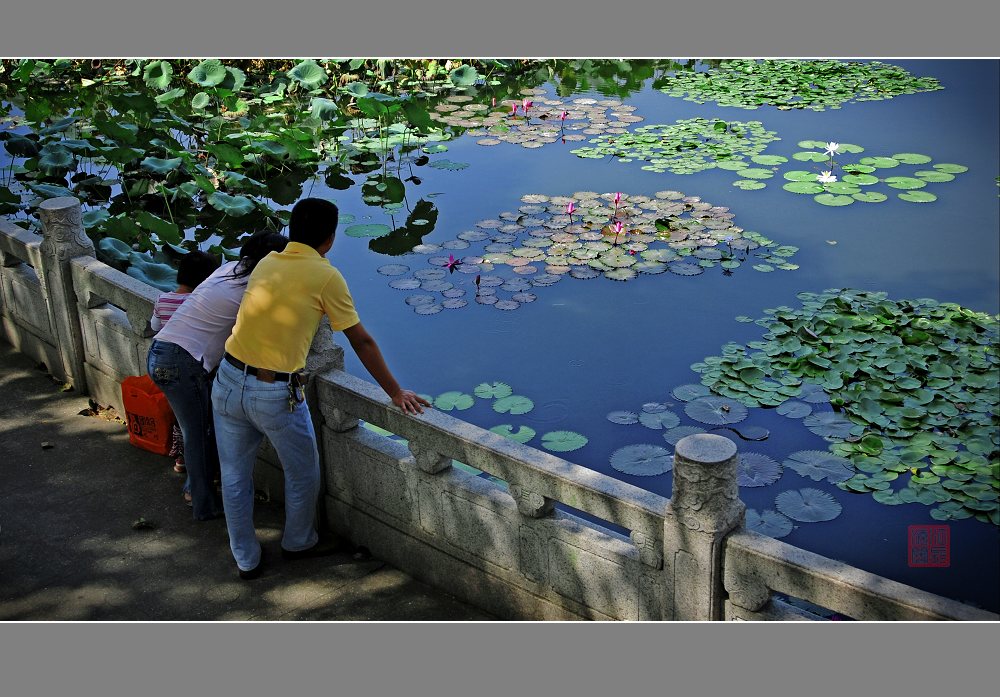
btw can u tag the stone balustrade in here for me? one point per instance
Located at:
(547, 539)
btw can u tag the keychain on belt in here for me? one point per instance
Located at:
(296, 394)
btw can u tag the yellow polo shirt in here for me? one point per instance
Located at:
(286, 297)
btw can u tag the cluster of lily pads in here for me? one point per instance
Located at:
(753, 469)
(583, 236)
(912, 385)
(856, 179)
(535, 120)
(686, 146)
(794, 84)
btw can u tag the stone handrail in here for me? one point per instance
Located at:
(536, 478)
(506, 549)
(756, 565)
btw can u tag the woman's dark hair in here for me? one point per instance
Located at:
(313, 222)
(258, 246)
(195, 267)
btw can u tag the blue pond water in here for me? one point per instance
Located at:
(588, 347)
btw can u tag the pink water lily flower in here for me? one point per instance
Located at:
(570, 208)
(618, 230)
(513, 108)
(527, 104)
(826, 178)
(452, 262)
(618, 198)
(562, 116)
(494, 101)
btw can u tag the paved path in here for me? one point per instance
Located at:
(68, 550)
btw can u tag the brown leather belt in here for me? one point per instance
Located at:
(263, 374)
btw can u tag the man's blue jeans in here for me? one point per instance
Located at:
(188, 388)
(247, 409)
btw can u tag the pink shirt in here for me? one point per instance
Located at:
(164, 308)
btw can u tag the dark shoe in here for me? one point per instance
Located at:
(255, 571)
(323, 548)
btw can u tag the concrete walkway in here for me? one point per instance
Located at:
(71, 487)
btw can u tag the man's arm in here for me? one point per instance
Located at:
(371, 358)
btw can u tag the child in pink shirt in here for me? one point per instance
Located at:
(194, 268)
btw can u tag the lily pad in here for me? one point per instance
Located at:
(794, 409)
(493, 390)
(674, 435)
(716, 411)
(808, 505)
(563, 441)
(756, 469)
(642, 459)
(828, 425)
(686, 393)
(513, 404)
(768, 522)
(833, 199)
(522, 435)
(819, 465)
(623, 417)
(660, 420)
(918, 196)
(368, 230)
(453, 400)
(803, 187)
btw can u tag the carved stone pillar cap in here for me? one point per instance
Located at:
(705, 448)
(55, 204)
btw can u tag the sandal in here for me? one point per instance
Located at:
(179, 467)
(187, 499)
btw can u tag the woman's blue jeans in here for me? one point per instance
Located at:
(188, 388)
(246, 410)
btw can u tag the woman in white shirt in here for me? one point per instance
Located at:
(185, 353)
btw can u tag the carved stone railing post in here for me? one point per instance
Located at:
(324, 354)
(704, 507)
(64, 239)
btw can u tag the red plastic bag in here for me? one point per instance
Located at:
(150, 419)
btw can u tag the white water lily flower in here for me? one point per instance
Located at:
(831, 148)
(826, 178)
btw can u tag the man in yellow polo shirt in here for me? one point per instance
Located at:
(257, 390)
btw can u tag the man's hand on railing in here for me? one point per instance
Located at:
(410, 402)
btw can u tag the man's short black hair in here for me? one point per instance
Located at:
(313, 222)
(194, 267)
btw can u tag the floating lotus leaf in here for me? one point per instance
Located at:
(828, 425)
(819, 465)
(934, 176)
(513, 404)
(453, 400)
(870, 197)
(794, 409)
(686, 393)
(862, 179)
(368, 230)
(793, 84)
(522, 435)
(405, 284)
(716, 411)
(833, 199)
(749, 184)
(563, 441)
(905, 182)
(393, 269)
(659, 420)
(770, 523)
(808, 505)
(918, 196)
(909, 158)
(756, 469)
(880, 162)
(803, 187)
(951, 168)
(493, 390)
(448, 165)
(683, 268)
(674, 435)
(642, 460)
(623, 417)
(769, 159)
(755, 173)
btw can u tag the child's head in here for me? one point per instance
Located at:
(256, 247)
(195, 267)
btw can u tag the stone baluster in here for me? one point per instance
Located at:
(530, 503)
(428, 459)
(704, 507)
(63, 239)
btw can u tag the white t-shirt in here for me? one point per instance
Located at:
(205, 320)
